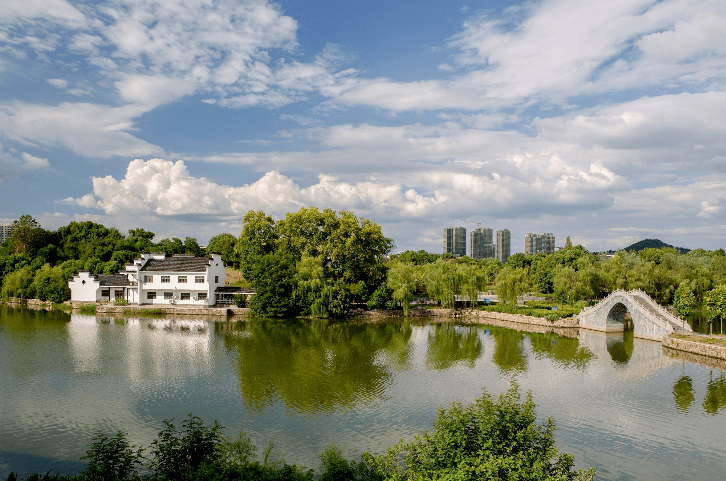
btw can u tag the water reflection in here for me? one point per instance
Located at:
(316, 366)
(509, 354)
(715, 395)
(565, 351)
(620, 346)
(683, 393)
(449, 345)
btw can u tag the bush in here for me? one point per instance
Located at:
(112, 458)
(179, 453)
(487, 439)
(382, 298)
(240, 300)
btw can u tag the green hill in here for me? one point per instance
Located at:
(653, 243)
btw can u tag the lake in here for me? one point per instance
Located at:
(619, 403)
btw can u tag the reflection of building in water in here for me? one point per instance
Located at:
(627, 357)
(141, 348)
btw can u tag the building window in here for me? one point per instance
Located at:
(202, 296)
(104, 292)
(199, 279)
(216, 279)
(168, 295)
(148, 278)
(182, 279)
(151, 295)
(165, 279)
(185, 296)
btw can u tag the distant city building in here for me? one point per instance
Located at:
(481, 245)
(455, 240)
(503, 245)
(6, 230)
(536, 243)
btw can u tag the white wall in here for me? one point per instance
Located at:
(84, 288)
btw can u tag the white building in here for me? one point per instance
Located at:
(156, 278)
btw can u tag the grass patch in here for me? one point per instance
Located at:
(717, 341)
(88, 309)
(234, 278)
(563, 310)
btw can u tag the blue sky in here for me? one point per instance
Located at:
(603, 121)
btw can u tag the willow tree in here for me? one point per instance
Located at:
(444, 281)
(402, 281)
(512, 283)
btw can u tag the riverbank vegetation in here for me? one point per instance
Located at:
(487, 439)
(571, 277)
(319, 263)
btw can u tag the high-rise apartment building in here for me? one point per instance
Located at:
(6, 230)
(481, 243)
(536, 243)
(455, 240)
(503, 245)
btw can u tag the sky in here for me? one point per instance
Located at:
(602, 121)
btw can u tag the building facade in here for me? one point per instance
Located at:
(156, 278)
(503, 245)
(536, 243)
(455, 240)
(6, 230)
(481, 243)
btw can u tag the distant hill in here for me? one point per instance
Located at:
(644, 244)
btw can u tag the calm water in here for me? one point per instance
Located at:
(620, 404)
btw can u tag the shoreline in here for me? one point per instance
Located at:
(704, 353)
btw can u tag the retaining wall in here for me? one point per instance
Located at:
(698, 348)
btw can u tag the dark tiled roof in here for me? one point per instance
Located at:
(235, 290)
(113, 279)
(178, 263)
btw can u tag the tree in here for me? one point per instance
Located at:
(28, 237)
(51, 284)
(402, 281)
(511, 283)
(258, 238)
(684, 301)
(568, 243)
(224, 244)
(272, 277)
(715, 302)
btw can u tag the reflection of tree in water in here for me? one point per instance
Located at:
(683, 393)
(315, 366)
(509, 349)
(449, 346)
(621, 349)
(715, 395)
(565, 351)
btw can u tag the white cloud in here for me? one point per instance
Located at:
(58, 82)
(34, 163)
(91, 130)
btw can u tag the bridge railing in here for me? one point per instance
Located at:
(661, 310)
(586, 310)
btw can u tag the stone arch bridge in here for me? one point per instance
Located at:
(649, 319)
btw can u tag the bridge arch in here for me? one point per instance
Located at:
(649, 320)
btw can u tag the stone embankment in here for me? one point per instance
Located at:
(701, 349)
(110, 309)
(30, 303)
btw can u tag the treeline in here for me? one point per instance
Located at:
(570, 275)
(487, 439)
(37, 263)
